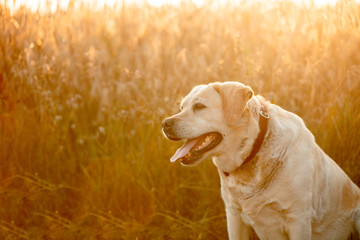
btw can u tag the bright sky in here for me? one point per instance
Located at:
(52, 4)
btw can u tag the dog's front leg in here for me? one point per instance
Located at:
(237, 229)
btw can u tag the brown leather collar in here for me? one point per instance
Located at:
(263, 124)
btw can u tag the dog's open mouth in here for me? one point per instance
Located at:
(194, 149)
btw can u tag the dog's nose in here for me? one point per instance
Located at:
(168, 129)
(167, 123)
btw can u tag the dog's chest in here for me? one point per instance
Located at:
(263, 214)
(266, 214)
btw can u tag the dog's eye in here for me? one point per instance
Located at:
(198, 106)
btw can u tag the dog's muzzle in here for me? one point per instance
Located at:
(168, 129)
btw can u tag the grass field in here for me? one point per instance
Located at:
(83, 93)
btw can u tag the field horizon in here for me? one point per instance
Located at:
(83, 93)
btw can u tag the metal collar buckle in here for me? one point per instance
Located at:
(264, 113)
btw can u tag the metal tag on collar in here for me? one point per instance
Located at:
(264, 113)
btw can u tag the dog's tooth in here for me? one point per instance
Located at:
(203, 144)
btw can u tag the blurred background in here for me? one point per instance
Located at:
(52, 5)
(84, 86)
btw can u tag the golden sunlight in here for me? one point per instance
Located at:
(86, 84)
(46, 5)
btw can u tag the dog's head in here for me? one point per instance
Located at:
(210, 117)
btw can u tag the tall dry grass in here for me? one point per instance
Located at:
(83, 93)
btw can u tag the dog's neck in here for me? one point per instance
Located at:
(263, 125)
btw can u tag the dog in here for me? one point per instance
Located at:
(275, 179)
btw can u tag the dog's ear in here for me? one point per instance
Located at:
(234, 97)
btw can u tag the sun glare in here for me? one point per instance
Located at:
(46, 5)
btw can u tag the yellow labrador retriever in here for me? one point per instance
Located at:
(275, 179)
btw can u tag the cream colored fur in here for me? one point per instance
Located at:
(291, 189)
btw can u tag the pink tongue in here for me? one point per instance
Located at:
(182, 151)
